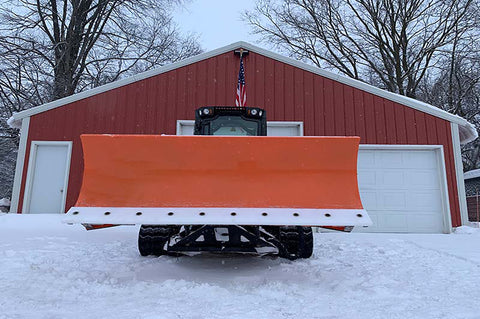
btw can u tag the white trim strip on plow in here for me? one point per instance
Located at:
(216, 216)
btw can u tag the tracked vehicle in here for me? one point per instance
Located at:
(227, 189)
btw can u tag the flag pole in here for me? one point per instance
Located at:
(241, 95)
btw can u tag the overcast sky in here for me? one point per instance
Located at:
(217, 22)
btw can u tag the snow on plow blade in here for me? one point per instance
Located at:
(219, 180)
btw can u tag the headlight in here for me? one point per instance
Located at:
(206, 111)
(254, 112)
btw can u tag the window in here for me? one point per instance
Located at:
(233, 125)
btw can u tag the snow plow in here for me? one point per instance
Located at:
(218, 193)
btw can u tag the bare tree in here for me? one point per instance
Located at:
(457, 90)
(425, 49)
(455, 87)
(50, 49)
(392, 42)
(72, 45)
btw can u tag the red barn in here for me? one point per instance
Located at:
(409, 166)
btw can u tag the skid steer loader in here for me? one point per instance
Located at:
(229, 188)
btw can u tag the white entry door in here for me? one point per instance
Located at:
(47, 177)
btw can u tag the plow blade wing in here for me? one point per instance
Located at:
(219, 180)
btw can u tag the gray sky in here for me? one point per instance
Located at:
(216, 21)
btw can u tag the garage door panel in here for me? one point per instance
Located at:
(388, 179)
(394, 159)
(389, 159)
(423, 179)
(399, 178)
(401, 190)
(392, 222)
(394, 201)
(398, 221)
(367, 178)
(429, 201)
(393, 178)
(369, 199)
(420, 159)
(425, 201)
(425, 224)
(366, 159)
(380, 200)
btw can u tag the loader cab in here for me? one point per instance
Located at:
(240, 121)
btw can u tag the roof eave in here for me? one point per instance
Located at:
(467, 130)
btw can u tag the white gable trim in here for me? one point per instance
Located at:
(457, 155)
(22, 148)
(466, 131)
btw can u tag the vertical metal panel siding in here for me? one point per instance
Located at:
(152, 106)
(309, 118)
(318, 105)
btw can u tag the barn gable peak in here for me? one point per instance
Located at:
(467, 130)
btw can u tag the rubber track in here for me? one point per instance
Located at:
(297, 240)
(152, 239)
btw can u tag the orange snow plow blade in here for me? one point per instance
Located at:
(219, 180)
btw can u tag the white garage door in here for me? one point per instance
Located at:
(402, 190)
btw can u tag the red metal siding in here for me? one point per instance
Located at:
(473, 207)
(327, 107)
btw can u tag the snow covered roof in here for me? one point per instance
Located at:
(467, 131)
(471, 174)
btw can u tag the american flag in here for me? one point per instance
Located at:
(241, 99)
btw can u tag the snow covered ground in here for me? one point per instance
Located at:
(51, 270)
